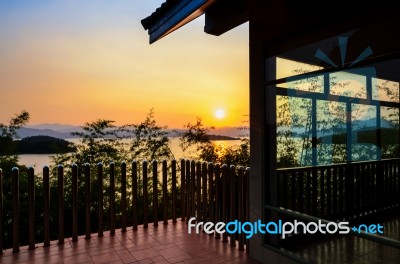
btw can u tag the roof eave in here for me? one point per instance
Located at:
(165, 21)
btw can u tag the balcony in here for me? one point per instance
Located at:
(121, 222)
(138, 213)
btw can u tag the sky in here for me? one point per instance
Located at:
(75, 61)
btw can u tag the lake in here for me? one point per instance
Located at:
(40, 160)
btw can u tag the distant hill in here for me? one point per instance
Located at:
(358, 125)
(219, 137)
(232, 131)
(64, 131)
(39, 145)
(371, 124)
(56, 127)
(30, 132)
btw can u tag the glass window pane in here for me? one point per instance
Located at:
(331, 132)
(294, 146)
(390, 132)
(363, 132)
(348, 84)
(313, 84)
(385, 90)
(286, 68)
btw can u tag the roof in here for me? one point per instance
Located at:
(173, 14)
(163, 9)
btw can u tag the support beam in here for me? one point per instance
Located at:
(225, 15)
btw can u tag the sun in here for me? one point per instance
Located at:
(219, 113)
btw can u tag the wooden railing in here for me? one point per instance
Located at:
(341, 191)
(206, 191)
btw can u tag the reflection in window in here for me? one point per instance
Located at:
(390, 132)
(309, 83)
(327, 118)
(385, 90)
(363, 133)
(313, 84)
(287, 68)
(294, 146)
(331, 132)
(348, 84)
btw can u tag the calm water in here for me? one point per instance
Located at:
(40, 160)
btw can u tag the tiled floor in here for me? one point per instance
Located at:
(352, 249)
(165, 244)
(348, 250)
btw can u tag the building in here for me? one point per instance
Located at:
(324, 96)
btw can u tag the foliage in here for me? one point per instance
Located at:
(8, 161)
(8, 133)
(198, 135)
(149, 140)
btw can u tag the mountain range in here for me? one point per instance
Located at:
(64, 131)
(357, 125)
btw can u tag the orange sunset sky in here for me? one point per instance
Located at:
(71, 62)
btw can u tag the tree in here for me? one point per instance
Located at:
(8, 133)
(8, 160)
(149, 140)
(102, 141)
(198, 135)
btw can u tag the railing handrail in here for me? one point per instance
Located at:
(336, 165)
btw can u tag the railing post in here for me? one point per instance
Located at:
(242, 201)
(232, 176)
(145, 202)
(87, 201)
(247, 199)
(397, 164)
(183, 191)
(15, 212)
(165, 194)
(341, 195)
(74, 203)
(1, 213)
(301, 191)
(335, 192)
(100, 227)
(60, 173)
(155, 193)
(31, 199)
(192, 188)
(349, 189)
(173, 167)
(198, 191)
(293, 190)
(322, 192)
(328, 193)
(211, 187)
(225, 193)
(309, 187)
(134, 195)
(188, 190)
(112, 198)
(46, 196)
(314, 191)
(217, 214)
(386, 185)
(123, 197)
(204, 192)
(398, 180)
